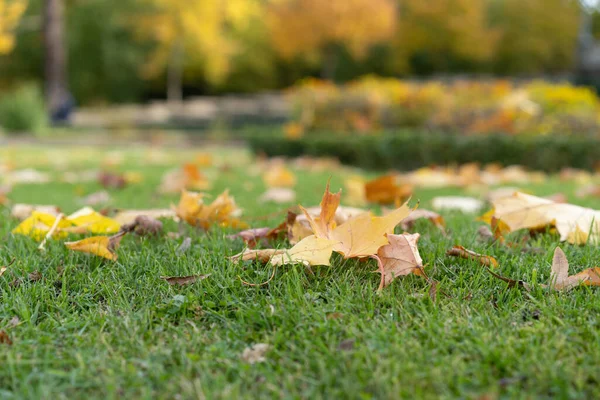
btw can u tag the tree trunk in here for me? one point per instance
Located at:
(175, 74)
(330, 60)
(55, 68)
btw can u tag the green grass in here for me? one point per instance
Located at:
(91, 328)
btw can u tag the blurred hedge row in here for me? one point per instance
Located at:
(406, 150)
(470, 106)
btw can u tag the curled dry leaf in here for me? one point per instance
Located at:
(575, 224)
(111, 180)
(144, 226)
(252, 237)
(184, 280)
(386, 190)
(399, 257)
(435, 218)
(560, 279)
(223, 211)
(4, 338)
(460, 251)
(256, 353)
(102, 246)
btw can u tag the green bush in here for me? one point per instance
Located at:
(406, 150)
(23, 110)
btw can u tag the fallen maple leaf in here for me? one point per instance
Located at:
(460, 251)
(362, 236)
(93, 221)
(222, 211)
(184, 280)
(399, 257)
(386, 190)
(575, 224)
(102, 246)
(38, 224)
(325, 223)
(560, 279)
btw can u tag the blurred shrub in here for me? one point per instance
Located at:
(496, 106)
(407, 150)
(23, 110)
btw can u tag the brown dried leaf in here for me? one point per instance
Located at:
(460, 251)
(560, 274)
(399, 257)
(144, 226)
(4, 338)
(184, 280)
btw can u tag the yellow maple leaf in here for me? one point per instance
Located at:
(325, 223)
(363, 235)
(102, 246)
(38, 224)
(93, 221)
(575, 224)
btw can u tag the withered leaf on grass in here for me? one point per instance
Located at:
(223, 211)
(252, 237)
(362, 236)
(399, 257)
(323, 225)
(460, 251)
(144, 226)
(184, 280)
(4, 338)
(386, 190)
(575, 224)
(560, 274)
(102, 246)
(309, 251)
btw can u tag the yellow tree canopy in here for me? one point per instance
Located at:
(10, 15)
(440, 28)
(307, 26)
(205, 29)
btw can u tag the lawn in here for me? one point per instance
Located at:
(92, 328)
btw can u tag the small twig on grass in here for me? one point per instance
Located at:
(42, 245)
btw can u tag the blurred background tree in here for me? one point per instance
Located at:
(317, 29)
(10, 15)
(135, 50)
